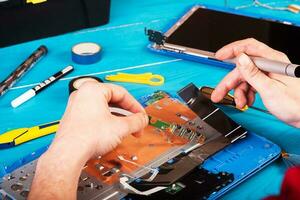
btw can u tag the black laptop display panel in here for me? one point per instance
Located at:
(202, 31)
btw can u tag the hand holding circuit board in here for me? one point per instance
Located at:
(79, 132)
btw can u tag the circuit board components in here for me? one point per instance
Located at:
(178, 130)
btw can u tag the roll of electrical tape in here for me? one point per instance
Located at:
(86, 53)
(77, 82)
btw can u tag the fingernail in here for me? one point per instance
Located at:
(138, 134)
(244, 60)
(213, 94)
(215, 97)
(236, 101)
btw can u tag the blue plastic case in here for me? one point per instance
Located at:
(243, 158)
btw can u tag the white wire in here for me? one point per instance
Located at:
(154, 171)
(119, 111)
(244, 6)
(266, 5)
(152, 177)
(126, 186)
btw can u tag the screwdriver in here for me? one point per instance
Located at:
(228, 100)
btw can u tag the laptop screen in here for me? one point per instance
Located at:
(210, 30)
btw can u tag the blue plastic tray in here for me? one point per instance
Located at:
(243, 158)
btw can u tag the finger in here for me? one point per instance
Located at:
(240, 95)
(120, 96)
(262, 50)
(230, 50)
(253, 75)
(91, 96)
(259, 49)
(134, 123)
(241, 46)
(250, 47)
(250, 97)
(97, 96)
(138, 134)
(228, 83)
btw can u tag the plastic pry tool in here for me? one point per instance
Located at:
(146, 78)
(21, 135)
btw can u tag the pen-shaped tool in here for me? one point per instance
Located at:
(273, 66)
(228, 100)
(22, 69)
(37, 89)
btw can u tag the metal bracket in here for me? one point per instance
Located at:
(155, 36)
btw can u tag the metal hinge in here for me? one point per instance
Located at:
(155, 36)
(159, 39)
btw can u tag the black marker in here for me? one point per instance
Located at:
(37, 89)
(22, 69)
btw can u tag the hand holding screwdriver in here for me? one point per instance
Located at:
(228, 100)
(279, 93)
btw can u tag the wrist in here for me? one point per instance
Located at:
(60, 167)
(72, 149)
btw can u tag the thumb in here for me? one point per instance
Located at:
(134, 123)
(256, 78)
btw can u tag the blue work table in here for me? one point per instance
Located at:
(124, 49)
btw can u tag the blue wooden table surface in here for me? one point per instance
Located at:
(124, 46)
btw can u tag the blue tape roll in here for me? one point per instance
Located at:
(86, 53)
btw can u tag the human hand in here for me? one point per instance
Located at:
(89, 120)
(87, 129)
(278, 92)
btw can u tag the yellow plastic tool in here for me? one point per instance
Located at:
(228, 100)
(35, 1)
(146, 78)
(21, 135)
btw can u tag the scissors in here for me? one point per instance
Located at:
(146, 78)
